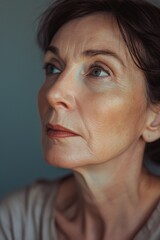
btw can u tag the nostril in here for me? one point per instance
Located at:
(63, 104)
(61, 101)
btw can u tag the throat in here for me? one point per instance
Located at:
(92, 214)
(85, 217)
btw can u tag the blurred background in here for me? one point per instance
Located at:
(21, 75)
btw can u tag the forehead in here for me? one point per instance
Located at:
(97, 31)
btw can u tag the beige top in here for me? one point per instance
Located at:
(29, 215)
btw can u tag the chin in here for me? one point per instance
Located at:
(67, 154)
(59, 158)
(59, 161)
(68, 160)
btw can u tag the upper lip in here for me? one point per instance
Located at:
(58, 127)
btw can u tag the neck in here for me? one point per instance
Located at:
(111, 192)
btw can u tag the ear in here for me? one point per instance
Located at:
(151, 132)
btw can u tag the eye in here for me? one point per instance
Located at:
(51, 69)
(98, 71)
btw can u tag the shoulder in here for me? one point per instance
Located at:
(151, 228)
(27, 197)
(22, 211)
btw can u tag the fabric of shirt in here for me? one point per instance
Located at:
(29, 215)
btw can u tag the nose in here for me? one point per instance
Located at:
(61, 93)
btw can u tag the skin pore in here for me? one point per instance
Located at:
(93, 88)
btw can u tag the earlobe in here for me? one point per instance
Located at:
(152, 131)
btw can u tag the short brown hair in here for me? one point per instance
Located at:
(139, 24)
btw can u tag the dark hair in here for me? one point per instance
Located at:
(139, 24)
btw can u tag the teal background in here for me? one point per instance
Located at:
(21, 158)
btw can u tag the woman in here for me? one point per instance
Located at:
(100, 109)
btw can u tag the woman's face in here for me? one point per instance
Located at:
(93, 88)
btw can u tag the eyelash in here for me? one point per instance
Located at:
(92, 67)
(46, 68)
(98, 66)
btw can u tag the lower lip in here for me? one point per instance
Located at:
(60, 134)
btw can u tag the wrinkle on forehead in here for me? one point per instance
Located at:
(97, 31)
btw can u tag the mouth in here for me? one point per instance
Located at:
(58, 131)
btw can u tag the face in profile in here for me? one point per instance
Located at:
(92, 104)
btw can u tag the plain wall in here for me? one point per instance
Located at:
(21, 158)
(21, 75)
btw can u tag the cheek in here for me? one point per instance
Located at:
(113, 118)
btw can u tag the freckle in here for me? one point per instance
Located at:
(148, 136)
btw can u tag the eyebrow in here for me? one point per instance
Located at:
(89, 53)
(106, 52)
(52, 49)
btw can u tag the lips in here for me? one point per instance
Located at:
(58, 131)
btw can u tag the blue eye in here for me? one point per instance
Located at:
(51, 69)
(99, 72)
